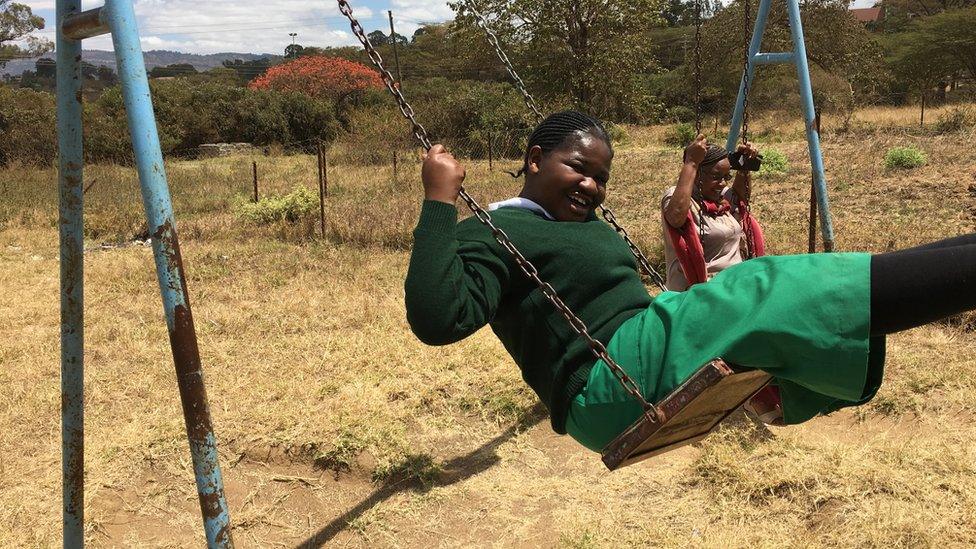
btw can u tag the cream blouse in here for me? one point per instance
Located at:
(724, 242)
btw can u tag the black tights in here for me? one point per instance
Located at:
(918, 285)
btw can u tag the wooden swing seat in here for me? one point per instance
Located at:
(687, 414)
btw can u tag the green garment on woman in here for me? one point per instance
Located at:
(805, 319)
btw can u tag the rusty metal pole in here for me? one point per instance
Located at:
(812, 228)
(169, 271)
(396, 56)
(394, 167)
(921, 118)
(321, 188)
(254, 173)
(490, 155)
(325, 172)
(71, 193)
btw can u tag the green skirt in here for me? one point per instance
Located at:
(805, 319)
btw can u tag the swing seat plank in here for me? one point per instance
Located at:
(687, 414)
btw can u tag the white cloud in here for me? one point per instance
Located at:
(257, 26)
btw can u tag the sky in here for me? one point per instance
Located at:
(254, 26)
(260, 26)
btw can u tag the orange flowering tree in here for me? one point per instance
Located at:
(318, 76)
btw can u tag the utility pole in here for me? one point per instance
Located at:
(396, 56)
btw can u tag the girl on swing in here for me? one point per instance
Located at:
(816, 322)
(707, 226)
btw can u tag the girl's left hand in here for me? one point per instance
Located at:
(748, 149)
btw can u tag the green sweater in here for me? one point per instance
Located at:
(460, 279)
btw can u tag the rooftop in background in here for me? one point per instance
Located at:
(868, 15)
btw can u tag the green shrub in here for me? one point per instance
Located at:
(904, 158)
(774, 162)
(681, 113)
(618, 135)
(27, 127)
(955, 119)
(291, 207)
(680, 135)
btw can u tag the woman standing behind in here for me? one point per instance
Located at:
(707, 227)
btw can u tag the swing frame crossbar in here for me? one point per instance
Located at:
(797, 57)
(117, 18)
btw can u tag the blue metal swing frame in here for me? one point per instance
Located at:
(117, 18)
(799, 58)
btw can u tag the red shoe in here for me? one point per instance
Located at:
(766, 406)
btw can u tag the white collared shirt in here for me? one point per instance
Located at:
(519, 202)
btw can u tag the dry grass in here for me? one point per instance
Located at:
(336, 425)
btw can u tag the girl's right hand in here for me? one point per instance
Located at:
(695, 152)
(442, 175)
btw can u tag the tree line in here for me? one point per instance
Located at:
(624, 60)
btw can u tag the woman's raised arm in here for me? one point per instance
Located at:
(676, 212)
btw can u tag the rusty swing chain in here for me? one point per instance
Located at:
(746, 38)
(698, 81)
(607, 213)
(698, 113)
(578, 326)
(493, 39)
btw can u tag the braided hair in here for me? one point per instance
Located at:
(557, 129)
(713, 155)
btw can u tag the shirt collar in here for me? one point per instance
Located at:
(523, 203)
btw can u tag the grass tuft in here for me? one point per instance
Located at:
(904, 158)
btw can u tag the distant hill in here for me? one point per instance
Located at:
(153, 58)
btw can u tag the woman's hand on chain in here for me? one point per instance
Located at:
(442, 175)
(695, 152)
(748, 149)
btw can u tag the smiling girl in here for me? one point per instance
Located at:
(701, 209)
(815, 322)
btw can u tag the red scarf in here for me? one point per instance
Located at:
(688, 247)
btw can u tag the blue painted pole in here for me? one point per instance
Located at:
(70, 225)
(809, 117)
(736, 125)
(169, 270)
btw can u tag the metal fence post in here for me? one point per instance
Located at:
(394, 167)
(169, 270)
(254, 174)
(490, 155)
(318, 157)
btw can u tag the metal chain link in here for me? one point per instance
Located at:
(698, 113)
(698, 69)
(493, 39)
(701, 215)
(578, 326)
(746, 39)
(642, 260)
(607, 213)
